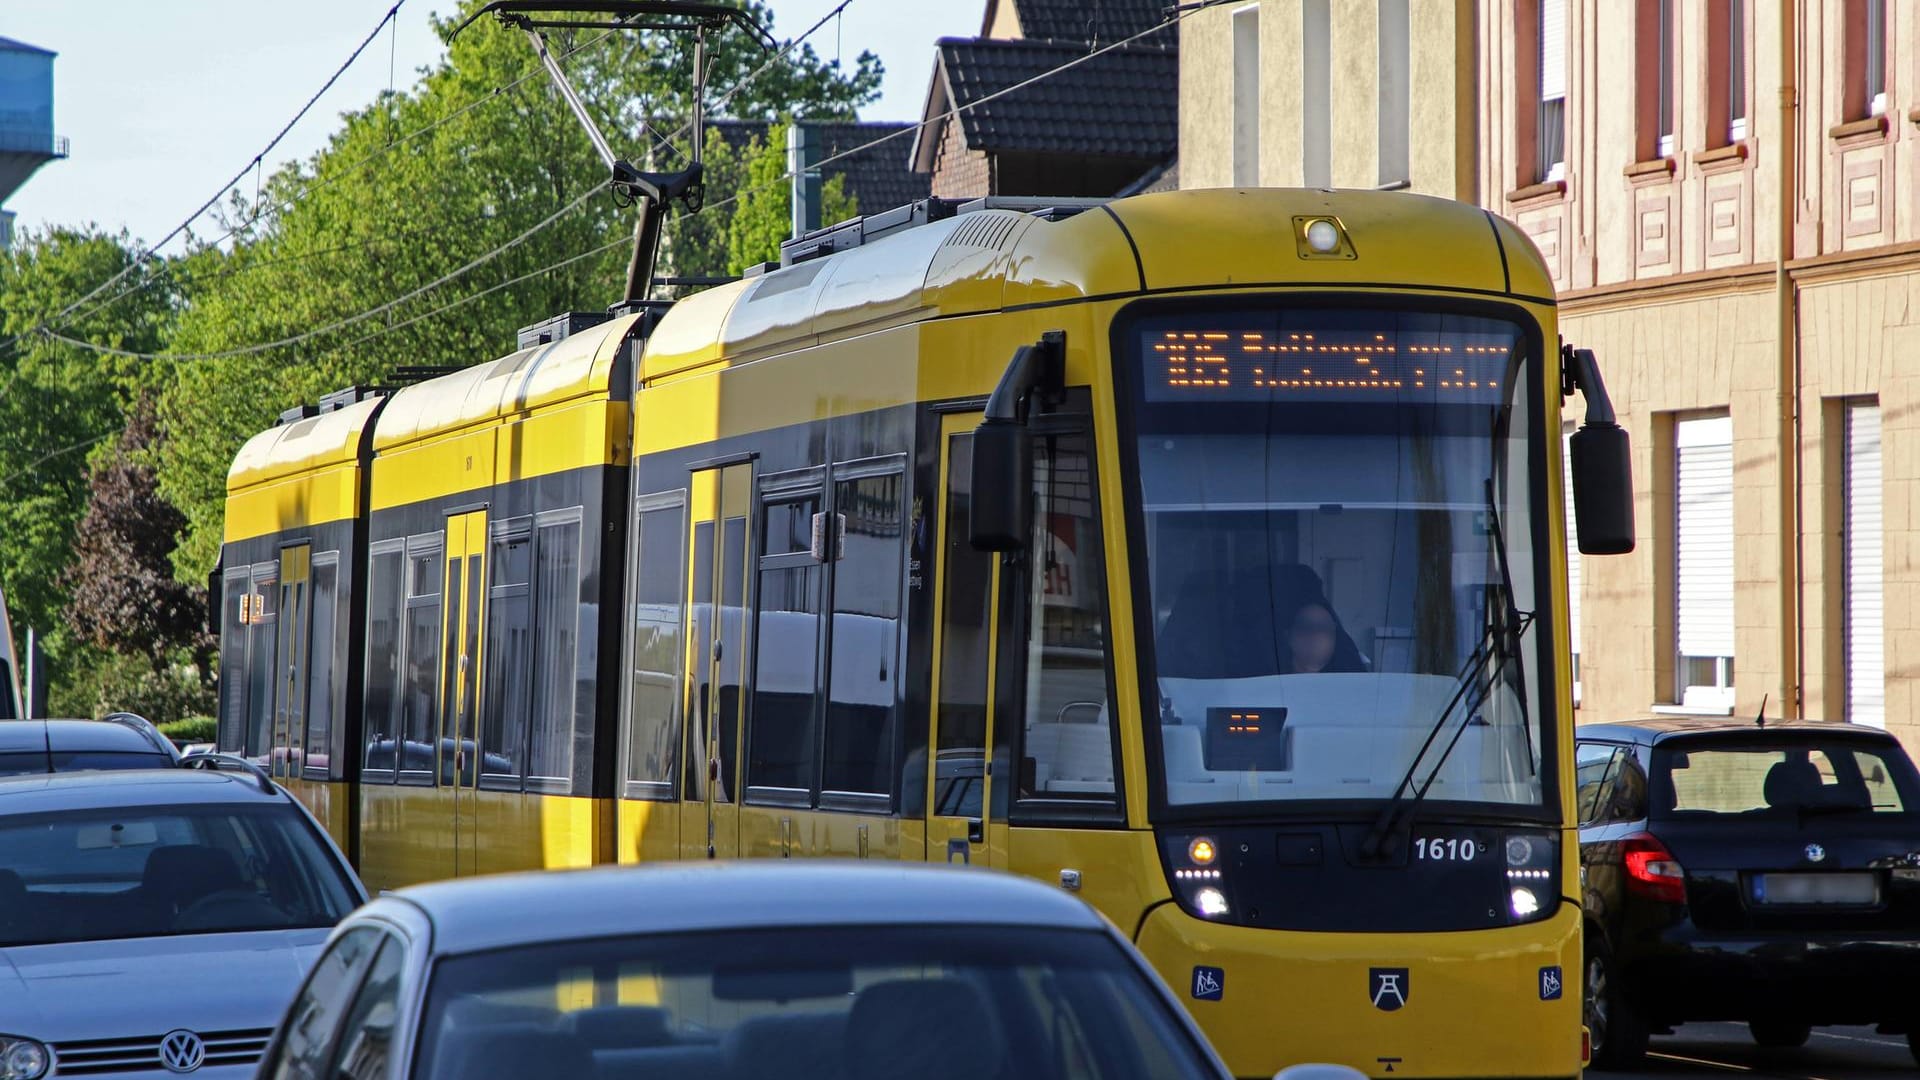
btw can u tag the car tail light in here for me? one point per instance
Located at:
(1652, 871)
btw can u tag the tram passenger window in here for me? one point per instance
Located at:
(556, 621)
(321, 642)
(699, 665)
(728, 699)
(864, 673)
(509, 660)
(261, 667)
(386, 600)
(782, 730)
(964, 641)
(234, 602)
(653, 723)
(1068, 750)
(413, 752)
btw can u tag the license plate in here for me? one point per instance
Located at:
(1836, 888)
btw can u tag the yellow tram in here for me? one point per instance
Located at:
(1200, 552)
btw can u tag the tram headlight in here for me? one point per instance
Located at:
(1533, 870)
(1195, 864)
(22, 1059)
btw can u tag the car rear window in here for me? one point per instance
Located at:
(80, 761)
(146, 871)
(1009, 1003)
(1762, 776)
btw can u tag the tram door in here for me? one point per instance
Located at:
(959, 792)
(720, 509)
(465, 590)
(290, 699)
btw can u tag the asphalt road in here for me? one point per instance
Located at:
(1839, 1053)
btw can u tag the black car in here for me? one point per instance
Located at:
(120, 741)
(1732, 871)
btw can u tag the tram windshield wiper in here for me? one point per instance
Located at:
(1479, 674)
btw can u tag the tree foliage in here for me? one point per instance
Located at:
(467, 165)
(375, 216)
(765, 213)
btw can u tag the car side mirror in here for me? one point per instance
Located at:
(1602, 466)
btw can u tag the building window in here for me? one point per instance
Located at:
(1396, 91)
(1703, 574)
(1246, 96)
(1551, 135)
(1876, 58)
(1316, 94)
(1865, 639)
(1736, 70)
(1573, 554)
(1663, 101)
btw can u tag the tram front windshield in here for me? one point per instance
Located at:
(1343, 547)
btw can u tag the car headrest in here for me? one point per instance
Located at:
(929, 1029)
(181, 873)
(795, 1044)
(622, 1027)
(1793, 782)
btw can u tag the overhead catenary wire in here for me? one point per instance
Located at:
(1179, 15)
(252, 164)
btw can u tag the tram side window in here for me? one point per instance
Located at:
(556, 622)
(961, 752)
(386, 605)
(507, 699)
(420, 694)
(318, 747)
(261, 667)
(864, 673)
(1068, 746)
(234, 603)
(781, 731)
(653, 725)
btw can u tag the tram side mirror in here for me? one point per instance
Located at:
(1002, 517)
(1602, 466)
(1002, 477)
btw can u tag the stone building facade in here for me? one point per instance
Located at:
(1728, 196)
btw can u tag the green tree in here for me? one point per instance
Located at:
(372, 218)
(765, 214)
(60, 405)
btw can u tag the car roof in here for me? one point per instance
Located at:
(41, 793)
(479, 914)
(1647, 731)
(29, 736)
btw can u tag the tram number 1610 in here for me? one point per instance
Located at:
(1451, 849)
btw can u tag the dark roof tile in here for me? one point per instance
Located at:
(1123, 103)
(1092, 22)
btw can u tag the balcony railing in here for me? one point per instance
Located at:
(19, 140)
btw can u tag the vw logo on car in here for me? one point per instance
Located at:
(182, 1051)
(1816, 853)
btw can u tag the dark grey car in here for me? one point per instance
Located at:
(120, 741)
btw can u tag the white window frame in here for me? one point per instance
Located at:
(1705, 436)
(1246, 96)
(1573, 557)
(1552, 89)
(1863, 589)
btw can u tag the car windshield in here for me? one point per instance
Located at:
(37, 763)
(1760, 777)
(148, 871)
(1324, 492)
(826, 1003)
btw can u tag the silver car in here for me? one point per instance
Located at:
(730, 970)
(156, 921)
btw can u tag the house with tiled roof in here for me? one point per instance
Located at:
(1004, 115)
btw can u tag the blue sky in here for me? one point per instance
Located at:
(166, 100)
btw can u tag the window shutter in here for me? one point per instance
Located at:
(1865, 638)
(1704, 537)
(1553, 49)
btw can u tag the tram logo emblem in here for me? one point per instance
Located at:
(1387, 987)
(1551, 984)
(1209, 983)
